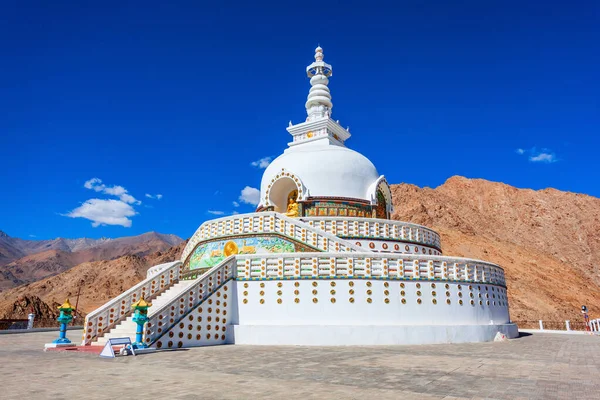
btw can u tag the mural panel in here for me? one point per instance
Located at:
(208, 255)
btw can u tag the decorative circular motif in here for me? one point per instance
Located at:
(434, 301)
(332, 292)
(369, 300)
(333, 299)
(279, 284)
(262, 285)
(332, 283)
(278, 301)
(351, 299)
(448, 301)
(315, 300)
(386, 284)
(386, 300)
(315, 284)
(314, 292)
(433, 293)
(385, 246)
(230, 248)
(403, 301)
(351, 291)
(350, 283)
(460, 302)
(262, 301)
(369, 292)
(402, 285)
(369, 284)
(419, 301)
(296, 300)
(402, 293)
(297, 284)
(372, 245)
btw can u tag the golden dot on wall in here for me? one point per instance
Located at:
(278, 301)
(419, 301)
(262, 301)
(369, 284)
(351, 299)
(315, 284)
(351, 284)
(296, 300)
(403, 301)
(386, 300)
(297, 284)
(386, 284)
(245, 301)
(369, 292)
(315, 300)
(333, 300)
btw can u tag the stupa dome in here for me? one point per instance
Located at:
(324, 170)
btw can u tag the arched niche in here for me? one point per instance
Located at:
(279, 190)
(381, 198)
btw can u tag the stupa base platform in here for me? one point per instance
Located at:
(368, 335)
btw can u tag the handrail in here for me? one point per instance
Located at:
(265, 223)
(164, 318)
(108, 315)
(355, 227)
(368, 265)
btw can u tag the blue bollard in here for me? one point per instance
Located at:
(66, 311)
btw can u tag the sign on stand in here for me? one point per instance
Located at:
(108, 351)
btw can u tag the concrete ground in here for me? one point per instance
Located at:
(536, 366)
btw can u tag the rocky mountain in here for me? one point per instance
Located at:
(547, 241)
(100, 281)
(43, 258)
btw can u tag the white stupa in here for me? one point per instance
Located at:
(320, 262)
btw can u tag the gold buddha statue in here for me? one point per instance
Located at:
(292, 207)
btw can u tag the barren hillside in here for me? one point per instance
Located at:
(100, 281)
(547, 241)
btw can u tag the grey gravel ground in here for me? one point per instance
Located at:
(537, 366)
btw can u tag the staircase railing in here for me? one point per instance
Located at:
(107, 316)
(265, 223)
(171, 313)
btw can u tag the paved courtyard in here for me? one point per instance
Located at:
(538, 366)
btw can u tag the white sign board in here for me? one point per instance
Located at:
(108, 352)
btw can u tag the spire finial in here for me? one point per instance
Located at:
(318, 104)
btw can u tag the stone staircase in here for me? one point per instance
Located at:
(127, 327)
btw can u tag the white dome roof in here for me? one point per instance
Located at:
(325, 171)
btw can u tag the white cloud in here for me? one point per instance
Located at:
(32, 236)
(235, 213)
(118, 191)
(543, 158)
(262, 163)
(250, 195)
(156, 196)
(104, 212)
(236, 204)
(216, 212)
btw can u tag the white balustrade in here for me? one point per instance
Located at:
(108, 315)
(268, 222)
(173, 312)
(351, 227)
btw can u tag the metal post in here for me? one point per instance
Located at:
(541, 325)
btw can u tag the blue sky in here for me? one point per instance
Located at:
(179, 98)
